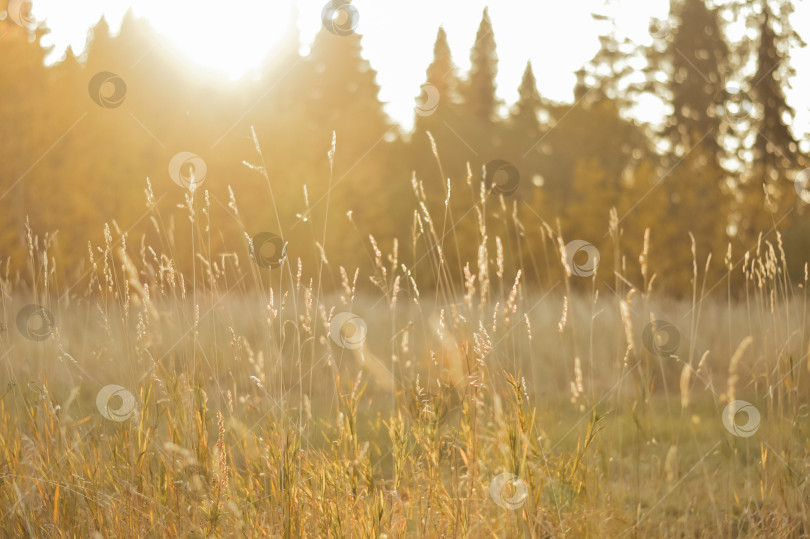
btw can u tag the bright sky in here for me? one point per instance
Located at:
(558, 37)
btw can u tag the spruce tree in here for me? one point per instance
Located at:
(442, 75)
(605, 75)
(776, 153)
(526, 112)
(524, 133)
(769, 152)
(694, 61)
(437, 112)
(480, 102)
(340, 95)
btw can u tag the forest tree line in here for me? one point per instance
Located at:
(81, 137)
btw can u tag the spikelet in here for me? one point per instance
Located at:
(733, 377)
(499, 257)
(483, 271)
(624, 309)
(511, 302)
(141, 295)
(686, 374)
(306, 318)
(574, 392)
(469, 285)
(728, 259)
(332, 149)
(671, 466)
(564, 317)
(221, 468)
(643, 258)
(378, 258)
(404, 343)
(564, 256)
(701, 370)
(307, 407)
(395, 291)
(344, 281)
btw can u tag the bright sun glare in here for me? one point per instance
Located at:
(233, 38)
(229, 42)
(230, 39)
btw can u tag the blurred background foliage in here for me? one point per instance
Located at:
(721, 165)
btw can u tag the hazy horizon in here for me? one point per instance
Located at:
(555, 50)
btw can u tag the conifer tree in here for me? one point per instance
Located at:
(605, 75)
(442, 75)
(694, 60)
(526, 111)
(437, 112)
(341, 97)
(525, 132)
(776, 155)
(480, 101)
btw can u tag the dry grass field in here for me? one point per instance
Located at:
(362, 269)
(242, 402)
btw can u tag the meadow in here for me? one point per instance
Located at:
(239, 400)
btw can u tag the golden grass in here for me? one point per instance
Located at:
(250, 420)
